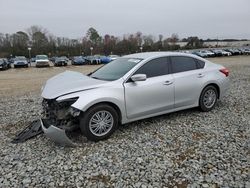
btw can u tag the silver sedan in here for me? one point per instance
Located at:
(127, 89)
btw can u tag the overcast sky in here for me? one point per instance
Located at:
(72, 18)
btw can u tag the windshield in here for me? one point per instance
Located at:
(78, 58)
(115, 69)
(20, 58)
(60, 59)
(41, 57)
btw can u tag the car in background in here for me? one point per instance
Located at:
(42, 61)
(208, 53)
(33, 60)
(11, 60)
(60, 61)
(93, 60)
(4, 64)
(128, 89)
(200, 54)
(225, 53)
(53, 59)
(217, 52)
(78, 60)
(20, 61)
(247, 51)
(105, 59)
(65, 58)
(233, 51)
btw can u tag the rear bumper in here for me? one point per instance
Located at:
(224, 86)
(56, 134)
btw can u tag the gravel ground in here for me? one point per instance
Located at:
(182, 149)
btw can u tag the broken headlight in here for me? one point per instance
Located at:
(74, 111)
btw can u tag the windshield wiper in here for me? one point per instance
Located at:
(100, 78)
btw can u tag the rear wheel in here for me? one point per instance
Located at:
(99, 122)
(208, 98)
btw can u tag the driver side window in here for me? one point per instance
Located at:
(155, 67)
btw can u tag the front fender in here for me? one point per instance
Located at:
(91, 97)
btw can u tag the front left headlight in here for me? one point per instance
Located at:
(74, 111)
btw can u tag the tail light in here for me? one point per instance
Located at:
(225, 72)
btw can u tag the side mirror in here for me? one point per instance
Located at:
(138, 77)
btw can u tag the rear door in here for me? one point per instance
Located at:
(188, 77)
(155, 94)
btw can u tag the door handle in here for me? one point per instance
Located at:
(200, 75)
(167, 82)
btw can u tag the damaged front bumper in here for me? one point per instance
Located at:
(56, 134)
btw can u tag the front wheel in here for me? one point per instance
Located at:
(99, 122)
(208, 98)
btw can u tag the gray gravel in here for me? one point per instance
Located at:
(182, 149)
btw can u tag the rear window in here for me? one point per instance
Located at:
(182, 64)
(201, 64)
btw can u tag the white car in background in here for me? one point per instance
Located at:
(42, 61)
(207, 53)
(225, 53)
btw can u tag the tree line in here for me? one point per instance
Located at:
(40, 41)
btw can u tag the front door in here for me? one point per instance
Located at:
(152, 96)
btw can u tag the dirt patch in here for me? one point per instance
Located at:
(30, 80)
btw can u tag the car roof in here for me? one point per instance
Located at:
(146, 55)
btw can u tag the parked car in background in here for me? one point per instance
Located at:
(105, 59)
(225, 53)
(233, 51)
(33, 60)
(4, 64)
(42, 61)
(200, 54)
(20, 61)
(65, 58)
(11, 60)
(208, 53)
(128, 89)
(53, 59)
(217, 52)
(60, 61)
(247, 51)
(78, 60)
(93, 60)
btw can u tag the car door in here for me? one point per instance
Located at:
(155, 94)
(188, 79)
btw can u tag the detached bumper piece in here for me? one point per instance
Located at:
(56, 134)
(31, 131)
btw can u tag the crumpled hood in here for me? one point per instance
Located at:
(69, 82)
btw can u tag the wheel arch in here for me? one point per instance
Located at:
(113, 105)
(215, 85)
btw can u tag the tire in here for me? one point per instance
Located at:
(102, 111)
(208, 98)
